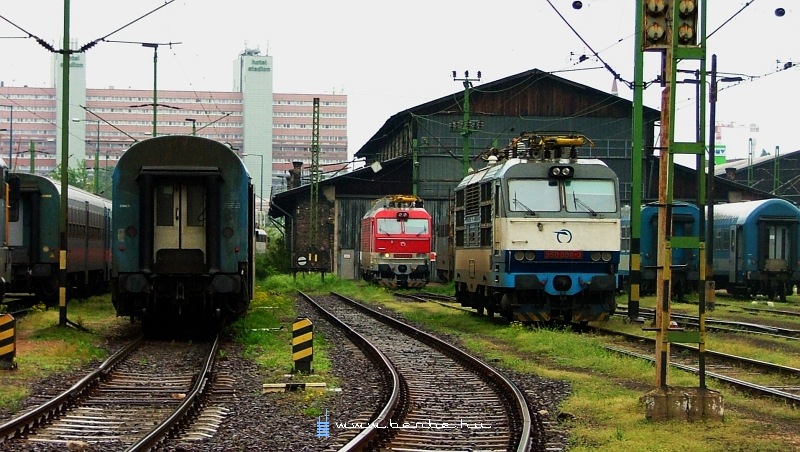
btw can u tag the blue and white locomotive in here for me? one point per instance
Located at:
(756, 248)
(537, 233)
(183, 221)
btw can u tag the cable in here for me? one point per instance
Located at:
(596, 55)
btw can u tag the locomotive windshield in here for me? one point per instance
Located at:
(590, 196)
(579, 195)
(533, 195)
(416, 226)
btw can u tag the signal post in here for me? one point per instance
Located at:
(675, 29)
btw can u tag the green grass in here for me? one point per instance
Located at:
(45, 348)
(605, 406)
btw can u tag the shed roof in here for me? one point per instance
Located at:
(454, 101)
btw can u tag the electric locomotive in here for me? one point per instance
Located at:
(756, 248)
(396, 242)
(34, 239)
(184, 226)
(537, 232)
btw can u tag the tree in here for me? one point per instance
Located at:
(77, 177)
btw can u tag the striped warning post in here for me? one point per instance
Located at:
(302, 344)
(8, 342)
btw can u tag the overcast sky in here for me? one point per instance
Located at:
(391, 56)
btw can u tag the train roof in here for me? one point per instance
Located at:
(207, 154)
(396, 202)
(54, 186)
(747, 210)
(501, 169)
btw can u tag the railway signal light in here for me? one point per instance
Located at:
(687, 27)
(655, 27)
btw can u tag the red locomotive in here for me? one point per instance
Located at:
(396, 242)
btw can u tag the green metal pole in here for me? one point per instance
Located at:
(97, 160)
(155, 88)
(261, 183)
(10, 136)
(65, 118)
(414, 166)
(32, 151)
(465, 131)
(637, 156)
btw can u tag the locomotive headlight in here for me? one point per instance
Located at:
(595, 256)
(606, 256)
(386, 255)
(530, 255)
(560, 172)
(519, 255)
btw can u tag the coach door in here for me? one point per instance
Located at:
(180, 226)
(779, 243)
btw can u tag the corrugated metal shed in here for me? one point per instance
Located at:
(424, 136)
(777, 174)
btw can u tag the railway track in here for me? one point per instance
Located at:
(132, 401)
(758, 378)
(728, 326)
(439, 396)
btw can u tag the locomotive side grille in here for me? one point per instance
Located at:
(473, 200)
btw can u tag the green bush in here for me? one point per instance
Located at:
(275, 261)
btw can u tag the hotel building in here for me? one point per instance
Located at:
(268, 130)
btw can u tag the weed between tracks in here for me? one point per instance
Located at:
(44, 348)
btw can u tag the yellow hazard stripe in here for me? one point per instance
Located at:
(6, 349)
(302, 338)
(302, 354)
(6, 319)
(301, 323)
(6, 334)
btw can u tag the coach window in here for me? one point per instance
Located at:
(165, 206)
(195, 205)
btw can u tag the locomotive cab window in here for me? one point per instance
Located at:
(390, 226)
(531, 196)
(416, 226)
(590, 196)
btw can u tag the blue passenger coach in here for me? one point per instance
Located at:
(34, 232)
(685, 262)
(756, 247)
(183, 233)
